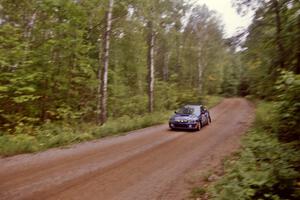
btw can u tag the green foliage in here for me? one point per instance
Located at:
(49, 135)
(21, 143)
(232, 75)
(197, 192)
(265, 169)
(288, 106)
(167, 96)
(127, 123)
(266, 116)
(271, 44)
(268, 165)
(210, 101)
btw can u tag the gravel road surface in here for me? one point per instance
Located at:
(147, 164)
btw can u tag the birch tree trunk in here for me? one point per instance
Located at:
(200, 72)
(98, 108)
(150, 59)
(27, 35)
(102, 92)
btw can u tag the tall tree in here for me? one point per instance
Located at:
(271, 44)
(150, 59)
(278, 21)
(105, 62)
(203, 41)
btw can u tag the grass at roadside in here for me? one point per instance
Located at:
(52, 135)
(210, 101)
(60, 134)
(264, 168)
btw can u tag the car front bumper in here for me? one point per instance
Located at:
(178, 125)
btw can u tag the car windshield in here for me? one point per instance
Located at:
(189, 110)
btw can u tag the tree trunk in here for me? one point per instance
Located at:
(102, 92)
(28, 33)
(30, 26)
(298, 62)
(200, 72)
(279, 43)
(150, 59)
(177, 65)
(166, 66)
(98, 108)
(297, 70)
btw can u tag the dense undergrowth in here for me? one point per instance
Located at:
(28, 139)
(265, 167)
(61, 133)
(268, 164)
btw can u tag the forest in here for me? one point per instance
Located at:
(75, 70)
(66, 62)
(268, 164)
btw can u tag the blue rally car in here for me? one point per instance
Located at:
(191, 117)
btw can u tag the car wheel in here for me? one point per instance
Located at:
(198, 126)
(201, 125)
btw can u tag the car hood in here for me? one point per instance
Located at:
(180, 117)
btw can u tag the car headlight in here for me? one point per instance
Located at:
(191, 121)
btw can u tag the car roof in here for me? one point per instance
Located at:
(192, 105)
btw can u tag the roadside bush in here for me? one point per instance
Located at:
(267, 117)
(21, 143)
(210, 101)
(266, 168)
(53, 134)
(127, 123)
(288, 106)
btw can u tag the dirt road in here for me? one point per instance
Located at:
(152, 163)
